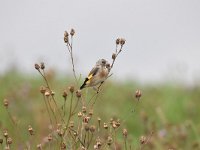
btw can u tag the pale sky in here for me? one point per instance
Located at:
(162, 36)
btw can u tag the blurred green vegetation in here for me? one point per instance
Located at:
(170, 111)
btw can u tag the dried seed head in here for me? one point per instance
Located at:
(114, 124)
(72, 32)
(47, 93)
(109, 141)
(63, 146)
(66, 39)
(65, 94)
(143, 140)
(118, 123)
(114, 56)
(122, 41)
(1, 141)
(71, 124)
(99, 120)
(66, 34)
(49, 137)
(138, 94)
(80, 114)
(30, 129)
(42, 89)
(78, 93)
(60, 132)
(39, 146)
(52, 93)
(105, 125)
(117, 41)
(90, 112)
(37, 67)
(99, 143)
(125, 133)
(84, 109)
(71, 89)
(5, 103)
(9, 140)
(92, 128)
(87, 128)
(86, 119)
(5, 133)
(42, 66)
(82, 148)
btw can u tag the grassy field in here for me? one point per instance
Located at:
(167, 115)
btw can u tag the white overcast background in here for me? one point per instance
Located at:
(162, 36)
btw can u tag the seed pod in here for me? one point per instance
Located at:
(37, 67)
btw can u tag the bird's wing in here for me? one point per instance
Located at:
(93, 72)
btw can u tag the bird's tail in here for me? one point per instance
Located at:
(84, 84)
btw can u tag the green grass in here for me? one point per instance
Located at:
(164, 108)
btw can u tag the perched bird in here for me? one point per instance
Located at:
(98, 74)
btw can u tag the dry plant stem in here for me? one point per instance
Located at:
(10, 116)
(125, 143)
(90, 141)
(69, 46)
(47, 84)
(64, 107)
(54, 115)
(115, 139)
(147, 141)
(47, 110)
(78, 137)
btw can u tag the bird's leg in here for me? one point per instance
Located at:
(98, 89)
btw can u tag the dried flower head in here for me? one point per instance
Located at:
(42, 66)
(5, 133)
(37, 67)
(9, 140)
(52, 93)
(80, 114)
(47, 93)
(72, 32)
(65, 94)
(109, 141)
(49, 137)
(30, 129)
(78, 93)
(90, 113)
(66, 39)
(5, 103)
(114, 56)
(42, 89)
(71, 89)
(122, 41)
(105, 125)
(63, 146)
(143, 140)
(84, 109)
(92, 128)
(125, 133)
(138, 94)
(66, 34)
(39, 146)
(117, 41)
(86, 119)
(87, 128)
(71, 124)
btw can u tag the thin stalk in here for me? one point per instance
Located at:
(47, 110)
